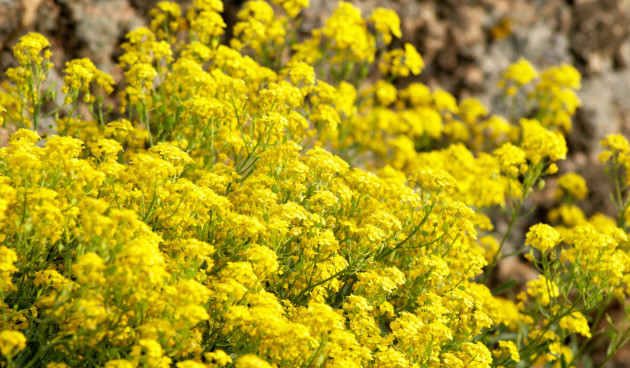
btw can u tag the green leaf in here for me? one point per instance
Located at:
(506, 286)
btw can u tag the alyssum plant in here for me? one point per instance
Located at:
(261, 205)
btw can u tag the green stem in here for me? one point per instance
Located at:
(145, 118)
(494, 262)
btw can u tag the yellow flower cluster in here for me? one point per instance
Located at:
(542, 237)
(11, 342)
(24, 96)
(557, 95)
(79, 74)
(257, 210)
(616, 156)
(517, 75)
(402, 62)
(538, 142)
(28, 49)
(387, 24)
(615, 144)
(259, 28)
(573, 184)
(554, 93)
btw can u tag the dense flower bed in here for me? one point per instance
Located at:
(278, 202)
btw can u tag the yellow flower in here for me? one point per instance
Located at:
(564, 75)
(538, 142)
(300, 72)
(7, 259)
(576, 322)
(391, 358)
(258, 28)
(24, 137)
(80, 74)
(471, 110)
(348, 32)
(50, 277)
(434, 180)
(289, 205)
(106, 149)
(251, 361)
(615, 144)
(119, 363)
(57, 365)
(510, 158)
(508, 347)
(543, 290)
(413, 60)
(166, 20)
(264, 261)
(418, 94)
(62, 149)
(574, 184)
(520, 73)
(218, 357)
(151, 353)
(11, 342)
(172, 154)
(443, 100)
(556, 94)
(292, 7)
(28, 49)
(89, 269)
(208, 24)
(216, 5)
(190, 364)
(2, 111)
(385, 92)
(402, 62)
(387, 23)
(476, 354)
(542, 237)
(567, 215)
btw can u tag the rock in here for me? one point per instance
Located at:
(100, 26)
(10, 26)
(30, 11)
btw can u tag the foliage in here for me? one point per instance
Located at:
(263, 205)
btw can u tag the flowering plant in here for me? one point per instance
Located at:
(262, 205)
